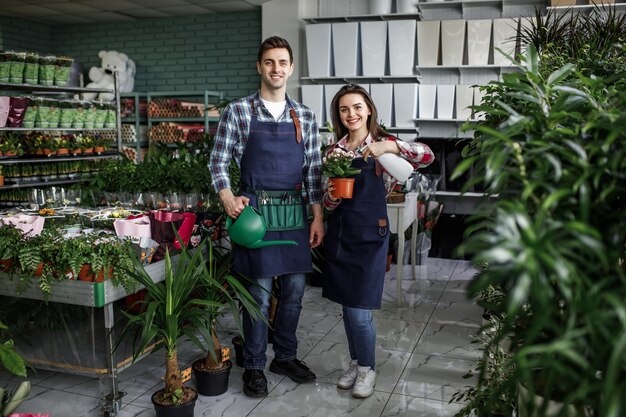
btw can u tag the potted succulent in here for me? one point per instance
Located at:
(551, 146)
(337, 166)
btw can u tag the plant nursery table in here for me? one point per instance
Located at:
(101, 295)
(401, 216)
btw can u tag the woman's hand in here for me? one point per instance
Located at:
(376, 149)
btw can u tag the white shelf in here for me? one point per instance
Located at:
(362, 79)
(362, 18)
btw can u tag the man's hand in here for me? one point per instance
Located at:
(316, 235)
(233, 205)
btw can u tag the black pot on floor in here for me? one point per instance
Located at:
(179, 410)
(238, 345)
(211, 383)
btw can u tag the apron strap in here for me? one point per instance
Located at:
(296, 123)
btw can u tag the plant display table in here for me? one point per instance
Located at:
(98, 296)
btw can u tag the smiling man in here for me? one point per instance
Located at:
(274, 141)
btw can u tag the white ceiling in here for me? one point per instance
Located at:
(55, 12)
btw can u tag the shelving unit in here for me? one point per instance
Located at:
(135, 122)
(40, 89)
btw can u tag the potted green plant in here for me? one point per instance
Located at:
(222, 293)
(551, 147)
(170, 314)
(10, 240)
(337, 166)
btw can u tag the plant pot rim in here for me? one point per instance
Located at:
(182, 405)
(227, 365)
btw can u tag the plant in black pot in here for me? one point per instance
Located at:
(222, 294)
(552, 148)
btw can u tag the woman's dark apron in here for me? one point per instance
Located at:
(272, 160)
(356, 242)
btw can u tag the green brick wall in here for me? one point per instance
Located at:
(212, 52)
(21, 35)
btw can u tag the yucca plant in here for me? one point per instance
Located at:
(552, 148)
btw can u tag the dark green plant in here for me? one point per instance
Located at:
(15, 364)
(555, 242)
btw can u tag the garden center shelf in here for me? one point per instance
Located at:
(100, 299)
(51, 88)
(477, 9)
(362, 18)
(61, 91)
(56, 158)
(363, 79)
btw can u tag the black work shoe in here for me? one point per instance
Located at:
(294, 369)
(254, 383)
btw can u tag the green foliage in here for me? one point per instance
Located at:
(338, 164)
(552, 147)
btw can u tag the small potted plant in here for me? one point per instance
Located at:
(1, 177)
(337, 166)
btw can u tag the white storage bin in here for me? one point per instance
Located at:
(345, 48)
(401, 47)
(318, 47)
(373, 48)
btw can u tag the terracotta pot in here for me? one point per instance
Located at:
(85, 273)
(63, 151)
(47, 151)
(100, 277)
(1, 180)
(10, 153)
(38, 151)
(88, 150)
(6, 264)
(39, 270)
(343, 187)
(78, 151)
(98, 149)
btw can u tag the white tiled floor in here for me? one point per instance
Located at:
(423, 351)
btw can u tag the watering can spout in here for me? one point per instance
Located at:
(266, 243)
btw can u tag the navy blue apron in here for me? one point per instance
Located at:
(272, 161)
(356, 242)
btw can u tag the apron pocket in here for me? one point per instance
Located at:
(282, 210)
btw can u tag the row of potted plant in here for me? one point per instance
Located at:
(52, 113)
(36, 143)
(159, 176)
(32, 68)
(49, 257)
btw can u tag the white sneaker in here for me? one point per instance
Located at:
(346, 381)
(365, 381)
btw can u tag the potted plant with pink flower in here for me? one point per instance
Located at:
(337, 166)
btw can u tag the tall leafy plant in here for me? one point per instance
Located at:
(555, 243)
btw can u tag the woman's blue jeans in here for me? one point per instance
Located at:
(361, 334)
(285, 323)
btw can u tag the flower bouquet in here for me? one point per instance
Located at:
(337, 166)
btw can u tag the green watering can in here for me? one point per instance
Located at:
(249, 228)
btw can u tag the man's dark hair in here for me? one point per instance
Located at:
(272, 43)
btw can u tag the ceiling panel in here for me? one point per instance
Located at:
(56, 12)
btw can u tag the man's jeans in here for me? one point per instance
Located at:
(361, 335)
(285, 320)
